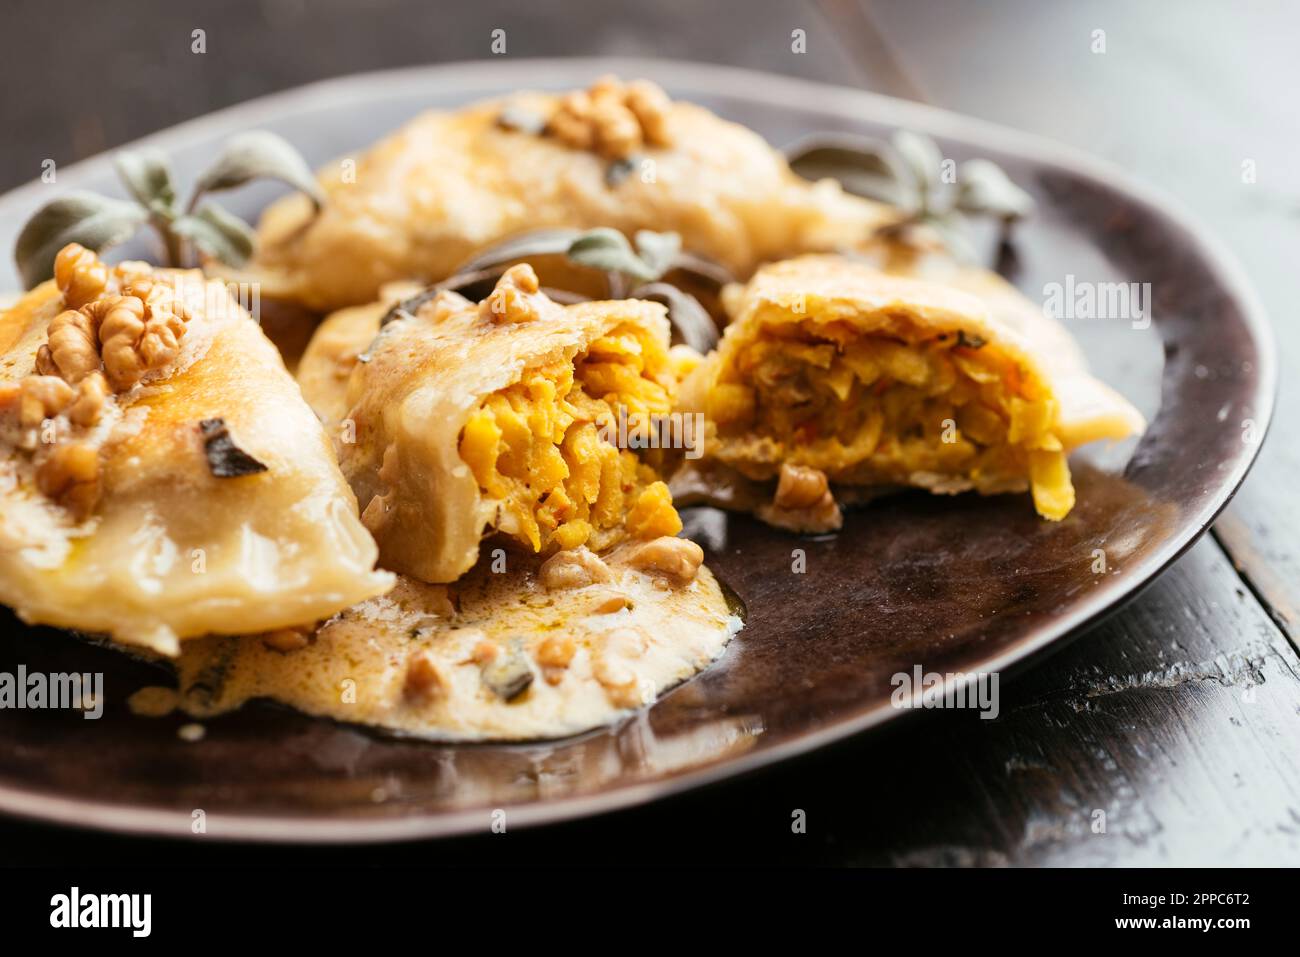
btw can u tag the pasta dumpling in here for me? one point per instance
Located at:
(161, 476)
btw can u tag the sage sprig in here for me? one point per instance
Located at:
(631, 272)
(608, 250)
(98, 222)
(910, 172)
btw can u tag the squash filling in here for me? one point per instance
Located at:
(545, 447)
(895, 408)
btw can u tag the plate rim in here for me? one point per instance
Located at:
(781, 90)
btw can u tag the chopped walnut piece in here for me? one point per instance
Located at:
(571, 123)
(138, 335)
(70, 350)
(803, 502)
(614, 119)
(92, 393)
(485, 651)
(80, 275)
(131, 333)
(556, 651)
(573, 568)
(609, 602)
(517, 297)
(651, 105)
(799, 487)
(70, 476)
(678, 559)
(42, 396)
(424, 678)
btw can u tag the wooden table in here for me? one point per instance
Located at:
(1179, 717)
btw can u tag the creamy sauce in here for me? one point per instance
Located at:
(357, 667)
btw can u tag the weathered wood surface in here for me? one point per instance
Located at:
(1179, 717)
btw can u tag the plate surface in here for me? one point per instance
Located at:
(955, 585)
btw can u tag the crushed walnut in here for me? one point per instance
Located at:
(803, 502)
(573, 568)
(118, 323)
(612, 118)
(677, 559)
(424, 678)
(517, 297)
(70, 476)
(554, 655)
(130, 332)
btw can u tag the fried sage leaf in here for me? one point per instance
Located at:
(218, 233)
(94, 221)
(510, 673)
(254, 155)
(225, 458)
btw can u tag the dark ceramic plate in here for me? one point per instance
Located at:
(956, 585)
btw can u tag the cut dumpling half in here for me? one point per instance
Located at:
(833, 372)
(518, 416)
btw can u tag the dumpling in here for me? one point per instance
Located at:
(419, 203)
(516, 415)
(161, 476)
(834, 373)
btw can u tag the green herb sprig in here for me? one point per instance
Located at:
(910, 172)
(98, 222)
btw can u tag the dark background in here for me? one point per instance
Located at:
(1179, 717)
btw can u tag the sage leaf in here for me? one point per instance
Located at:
(218, 233)
(953, 229)
(95, 222)
(608, 249)
(225, 458)
(984, 188)
(923, 159)
(659, 251)
(148, 177)
(256, 155)
(862, 166)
